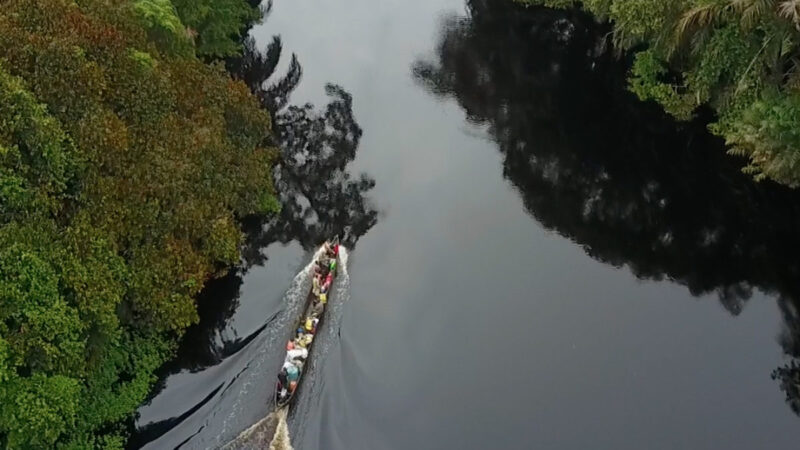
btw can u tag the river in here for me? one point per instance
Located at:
(543, 262)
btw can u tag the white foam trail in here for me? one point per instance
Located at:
(281, 440)
(270, 431)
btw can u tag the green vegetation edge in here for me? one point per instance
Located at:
(127, 155)
(740, 57)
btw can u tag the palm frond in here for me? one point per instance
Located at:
(793, 76)
(696, 19)
(752, 11)
(790, 10)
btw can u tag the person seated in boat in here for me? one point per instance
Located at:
(305, 340)
(309, 325)
(317, 307)
(323, 265)
(332, 266)
(293, 365)
(327, 284)
(283, 393)
(324, 260)
(322, 272)
(319, 272)
(332, 250)
(316, 284)
(296, 353)
(283, 384)
(292, 372)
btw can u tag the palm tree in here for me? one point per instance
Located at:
(772, 25)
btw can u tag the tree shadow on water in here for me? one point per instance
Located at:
(616, 176)
(320, 198)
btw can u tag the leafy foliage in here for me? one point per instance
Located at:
(161, 21)
(125, 163)
(739, 56)
(217, 24)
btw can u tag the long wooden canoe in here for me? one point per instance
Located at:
(307, 312)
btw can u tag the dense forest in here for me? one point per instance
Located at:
(139, 161)
(740, 57)
(128, 159)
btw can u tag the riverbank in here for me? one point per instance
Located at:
(128, 159)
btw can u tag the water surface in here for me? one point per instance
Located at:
(555, 264)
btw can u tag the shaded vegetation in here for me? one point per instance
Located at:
(738, 56)
(618, 177)
(125, 163)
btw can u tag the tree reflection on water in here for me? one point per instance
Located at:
(319, 196)
(616, 176)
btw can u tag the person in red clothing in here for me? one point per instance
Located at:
(331, 250)
(327, 284)
(316, 284)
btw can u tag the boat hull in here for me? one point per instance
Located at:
(307, 310)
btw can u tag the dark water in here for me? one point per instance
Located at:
(554, 265)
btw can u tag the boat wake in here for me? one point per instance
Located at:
(281, 439)
(272, 431)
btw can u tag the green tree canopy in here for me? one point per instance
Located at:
(217, 24)
(124, 164)
(738, 56)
